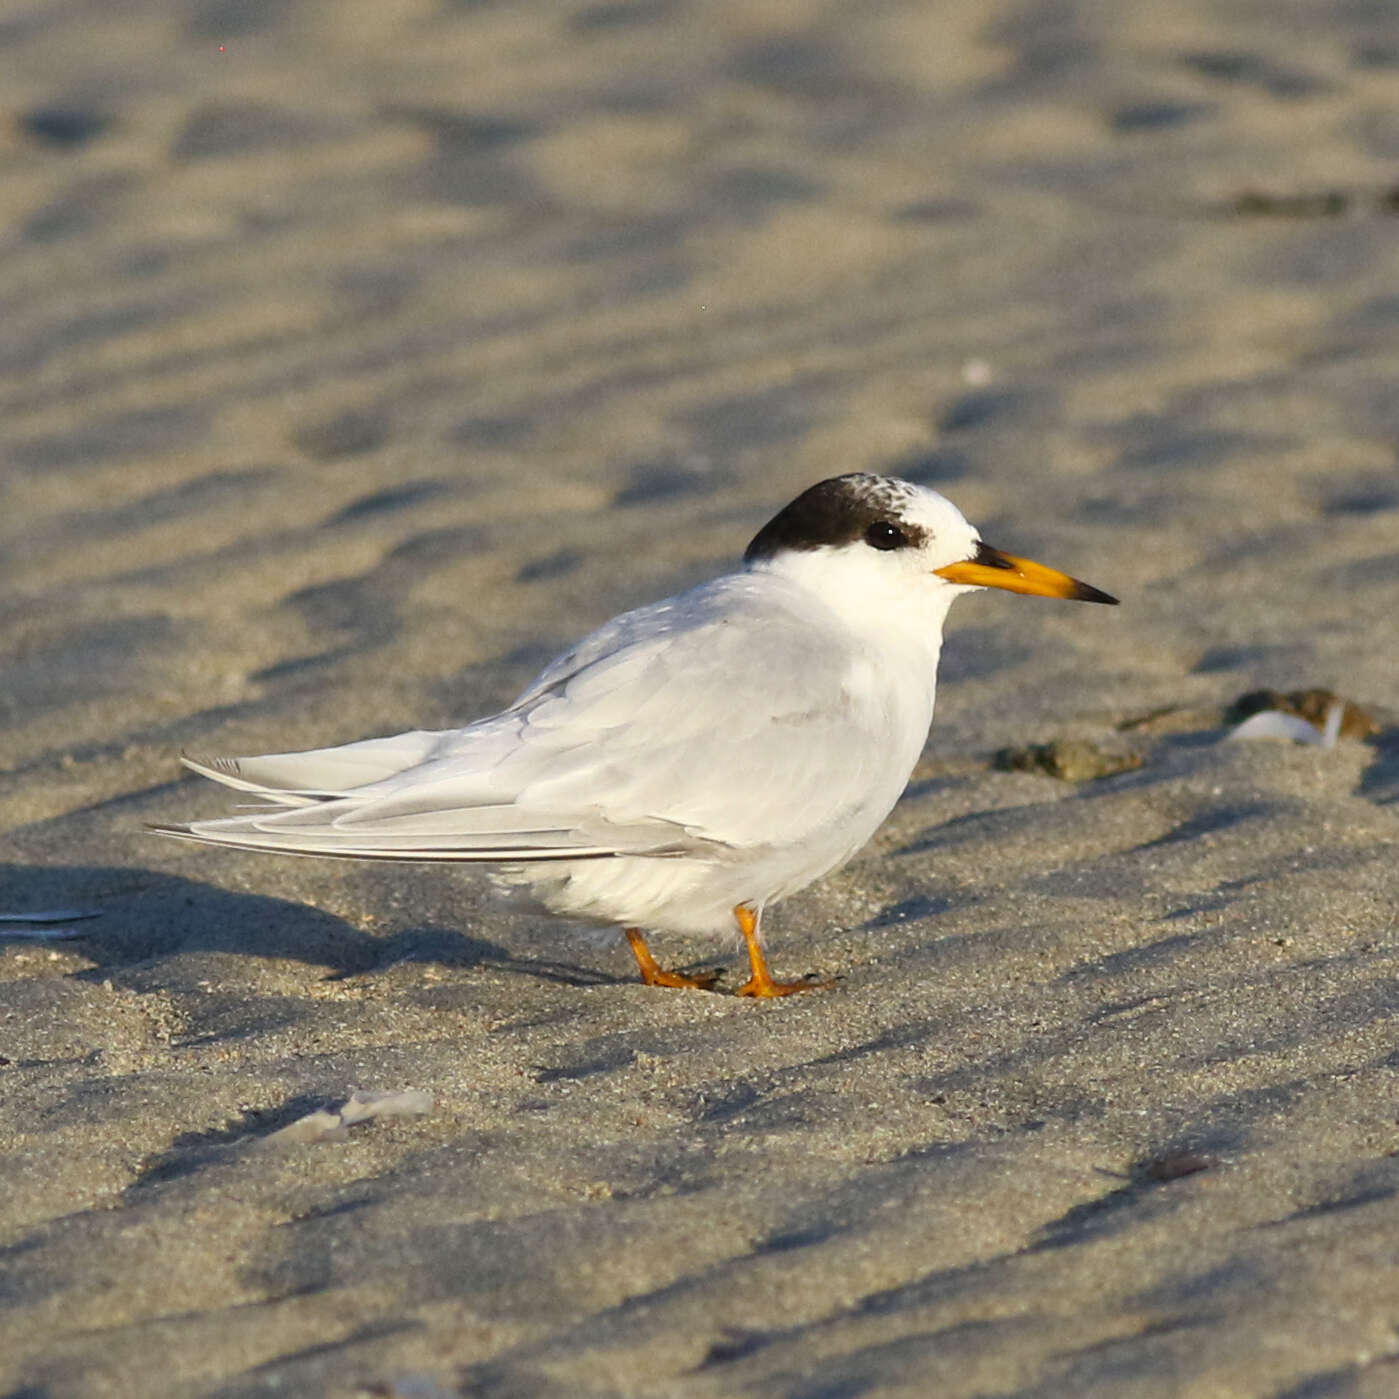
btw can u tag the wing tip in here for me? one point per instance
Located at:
(209, 765)
(171, 828)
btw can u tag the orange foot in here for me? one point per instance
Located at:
(766, 986)
(761, 983)
(653, 975)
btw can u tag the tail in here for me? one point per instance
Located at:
(342, 802)
(263, 832)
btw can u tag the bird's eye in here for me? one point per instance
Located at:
(885, 535)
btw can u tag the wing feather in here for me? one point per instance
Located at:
(297, 778)
(705, 723)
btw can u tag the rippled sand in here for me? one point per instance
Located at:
(357, 356)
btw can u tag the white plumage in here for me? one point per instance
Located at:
(706, 754)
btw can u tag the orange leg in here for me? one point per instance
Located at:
(652, 974)
(761, 982)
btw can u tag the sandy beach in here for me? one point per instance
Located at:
(358, 357)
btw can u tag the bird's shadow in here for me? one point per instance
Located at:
(449, 947)
(148, 919)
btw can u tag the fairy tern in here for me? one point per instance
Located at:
(689, 763)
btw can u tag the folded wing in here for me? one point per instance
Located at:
(703, 725)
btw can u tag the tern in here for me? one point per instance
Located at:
(690, 763)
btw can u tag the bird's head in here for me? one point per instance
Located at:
(876, 542)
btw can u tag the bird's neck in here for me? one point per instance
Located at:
(904, 624)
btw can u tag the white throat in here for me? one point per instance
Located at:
(886, 610)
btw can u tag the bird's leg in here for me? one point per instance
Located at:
(653, 975)
(761, 982)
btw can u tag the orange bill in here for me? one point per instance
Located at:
(989, 568)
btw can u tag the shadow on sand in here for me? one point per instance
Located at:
(149, 918)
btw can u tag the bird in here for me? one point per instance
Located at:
(690, 763)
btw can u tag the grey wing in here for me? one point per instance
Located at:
(706, 722)
(731, 731)
(305, 779)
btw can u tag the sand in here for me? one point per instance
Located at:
(357, 356)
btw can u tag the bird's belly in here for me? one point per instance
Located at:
(774, 840)
(667, 893)
(686, 895)
(697, 894)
